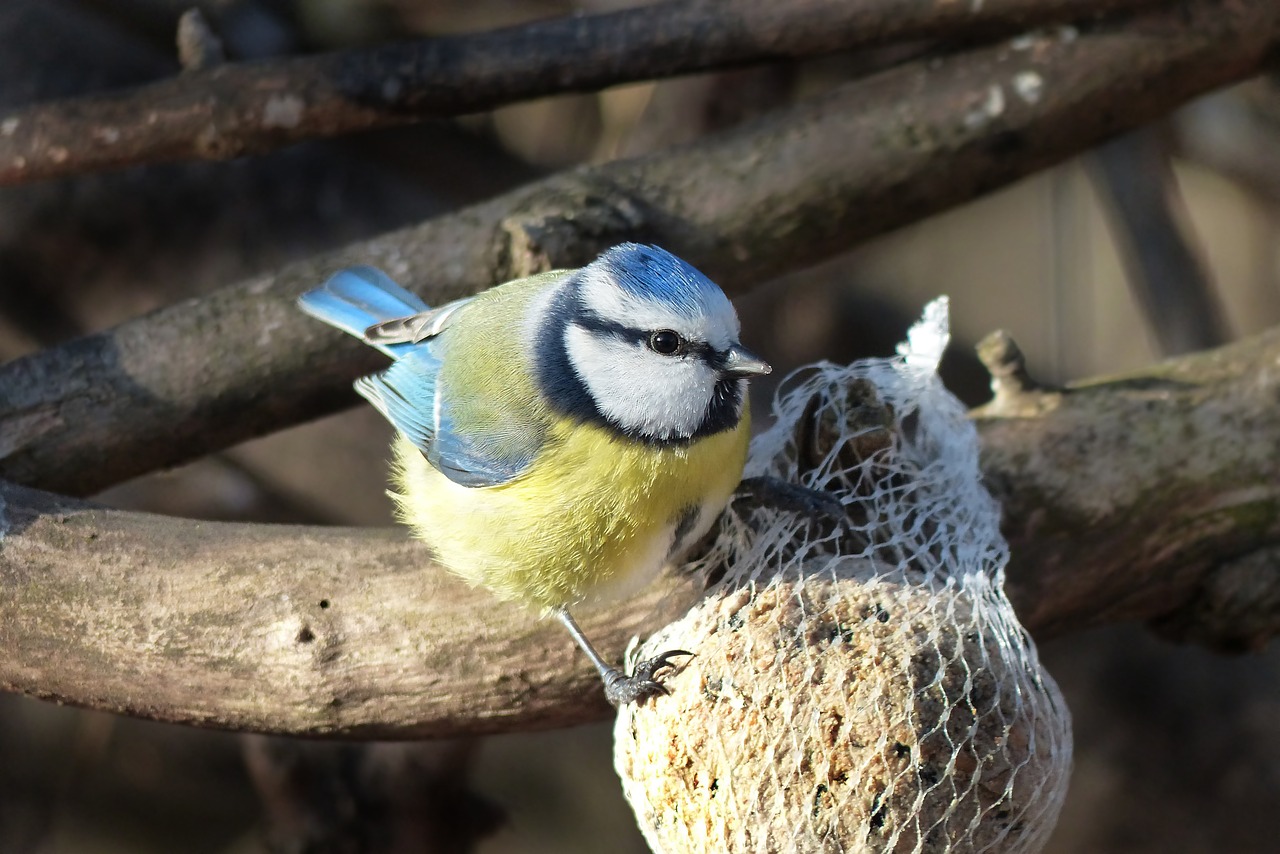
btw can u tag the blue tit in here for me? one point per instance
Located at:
(564, 436)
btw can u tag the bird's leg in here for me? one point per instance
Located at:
(619, 688)
(784, 495)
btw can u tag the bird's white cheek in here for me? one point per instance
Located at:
(638, 389)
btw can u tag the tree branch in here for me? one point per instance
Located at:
(1150, 497)
(781, 192)
(1148, 219)
(1231, 136)
(244, 108)
(276, 628)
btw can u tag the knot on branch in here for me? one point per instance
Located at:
(1004, 359)
(198, 46)
(1012, 386)
(566, 225)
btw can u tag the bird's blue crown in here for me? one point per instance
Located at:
(650, 273)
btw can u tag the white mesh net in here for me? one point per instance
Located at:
(859, 689)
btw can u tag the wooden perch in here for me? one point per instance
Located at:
(244, 108)
(1149, 497)
(1153, 496)
(782, 192)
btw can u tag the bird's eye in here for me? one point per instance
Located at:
(665, 341)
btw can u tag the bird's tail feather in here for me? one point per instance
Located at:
(359, 297)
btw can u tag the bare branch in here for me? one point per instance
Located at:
(1232, 135)
(1148, 497)
(1148, 218)
(236, 109)
(1151, 496)
(280, 628)
(776, 194)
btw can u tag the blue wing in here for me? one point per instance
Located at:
(411, 397)
(366, 303)
(405, 394)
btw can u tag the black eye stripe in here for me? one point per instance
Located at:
(590, 321)
(593, 322)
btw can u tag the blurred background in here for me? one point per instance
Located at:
(1177, 748)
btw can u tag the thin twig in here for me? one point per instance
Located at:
(242, 108)
(781, 192)
(1148, 217)
(1227, 134)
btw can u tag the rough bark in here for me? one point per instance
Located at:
(779, 193)
(279, 628)
(1148, 497)
(228, 110)
(1153, 496)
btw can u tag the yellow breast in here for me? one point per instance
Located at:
(595, 514)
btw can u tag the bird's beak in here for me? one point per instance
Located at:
(741, 362)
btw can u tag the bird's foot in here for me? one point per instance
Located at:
(768, 491)
(620, 689)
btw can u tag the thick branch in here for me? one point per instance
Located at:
(1154, 496)
(1149, 497)
(231, 110)
(779, 193)
(277, 628)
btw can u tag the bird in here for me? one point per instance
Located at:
(560, 437)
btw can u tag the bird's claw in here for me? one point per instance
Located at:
(621, 689)
(784, 495)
